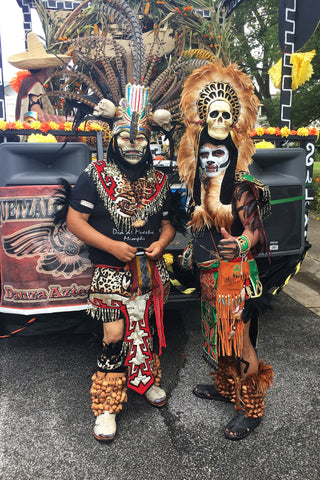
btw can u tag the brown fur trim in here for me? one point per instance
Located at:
(254, 389)
(212, 211)
(227, 380)
(108, 392)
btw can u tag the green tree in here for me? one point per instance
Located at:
(256, 45)
(256, 49)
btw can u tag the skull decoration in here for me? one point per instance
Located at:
(219, 119)
(105, 108)
(214, 159)
(162, 118)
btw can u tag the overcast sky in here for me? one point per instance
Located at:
(12, 33)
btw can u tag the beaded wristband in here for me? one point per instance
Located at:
(244, 244)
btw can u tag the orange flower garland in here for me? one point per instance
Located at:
(284, 132)
(47, 126)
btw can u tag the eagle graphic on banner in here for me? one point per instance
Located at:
(59, 251)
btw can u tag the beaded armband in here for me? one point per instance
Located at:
(187, 255)
(244, 245)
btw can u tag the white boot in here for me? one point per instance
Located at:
(156, 396)
(105, 427)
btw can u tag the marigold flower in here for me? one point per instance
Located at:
(19, 125)
(264, 144)
(168, 258)
(68, 126)
(3, 125)
(37, 137)
(260, 131)
(303, 132)
(53, 126)
(285, 131)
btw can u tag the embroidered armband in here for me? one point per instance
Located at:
(244, 245)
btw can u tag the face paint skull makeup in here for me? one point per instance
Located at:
(132, 152)
(219, 119)
(214, 159)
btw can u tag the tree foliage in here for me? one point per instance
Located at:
(256, 49)
(248, 37)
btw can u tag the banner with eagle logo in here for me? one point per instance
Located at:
(44, 268)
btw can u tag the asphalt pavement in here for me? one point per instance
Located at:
(46, 422)
(304, 287)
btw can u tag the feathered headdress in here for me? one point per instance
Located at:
(120, 69)
(208, 84)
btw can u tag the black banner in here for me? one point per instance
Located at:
(307, 17)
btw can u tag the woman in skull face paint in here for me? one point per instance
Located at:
(227, 232)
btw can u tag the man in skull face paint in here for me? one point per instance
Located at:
(219, 108)
(120, 208)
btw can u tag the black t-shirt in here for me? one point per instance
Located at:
(85, 199)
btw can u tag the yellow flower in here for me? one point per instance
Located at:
(19, 125)
(271, 130)
(96, 126)
(37, 137)
(264, 144)
(260, 131)
(3, 125)
(51, 138)
(303, 132)
(285, 131)
(54, 126)
(36, 125)
(68, 126)
(302, 69)
(168, 258)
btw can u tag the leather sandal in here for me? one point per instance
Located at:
(241, 426)
(209, 392)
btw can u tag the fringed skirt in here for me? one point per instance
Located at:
(225, 286)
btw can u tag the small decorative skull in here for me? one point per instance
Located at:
(162, 118)
(105, 108)
(219, 119)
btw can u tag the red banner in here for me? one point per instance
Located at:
(44, 268)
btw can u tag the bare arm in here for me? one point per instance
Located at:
(78, 224)
(154, 251)
(228, 247)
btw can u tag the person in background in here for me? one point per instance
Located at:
(36, 67)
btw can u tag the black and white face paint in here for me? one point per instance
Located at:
(214, 159)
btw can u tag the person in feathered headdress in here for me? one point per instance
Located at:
(120, 207)
(219, 108)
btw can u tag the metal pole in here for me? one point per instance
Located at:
(2, 98)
